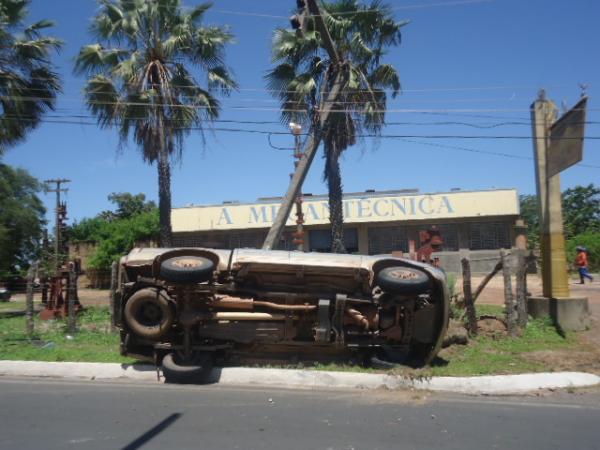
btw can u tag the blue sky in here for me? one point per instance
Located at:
(486, 57)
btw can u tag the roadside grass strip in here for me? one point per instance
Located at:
(93, 341)
(484, 355)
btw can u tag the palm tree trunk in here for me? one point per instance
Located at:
(336, 214)
(164, 198)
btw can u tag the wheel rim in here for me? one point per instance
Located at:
(401, 274)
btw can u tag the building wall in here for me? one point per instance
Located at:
(374, 238)
(474, 224)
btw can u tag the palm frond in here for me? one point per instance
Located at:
(385, 76)
(220, 80)
(28, 83)
(144, 67)
(102, 98)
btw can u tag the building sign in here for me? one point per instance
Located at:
(363, 209)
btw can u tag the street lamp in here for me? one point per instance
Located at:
(296, 130)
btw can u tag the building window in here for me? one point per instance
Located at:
(489, 236)
(449, 234)
(221, 240)
(199, 240)
(320, 240)
(246, 240)
(286, 241)
(384, 240)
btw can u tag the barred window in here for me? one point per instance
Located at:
(384, 240)
(221, 240)
(489, 236)
(246, 240)
(199, 240)
(320, 240)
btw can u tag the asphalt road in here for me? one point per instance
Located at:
(46, 414)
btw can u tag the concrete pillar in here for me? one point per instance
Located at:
(363, 238)
(464, 241)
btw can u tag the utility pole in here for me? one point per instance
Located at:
(60, 215)
(309, 7)
(558, 144)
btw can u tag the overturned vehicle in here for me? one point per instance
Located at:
(185, 307)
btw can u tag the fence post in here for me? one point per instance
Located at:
(521, 291)
(72, 295)
(469, 305)
(113, 293)
(29, 302)
(509, 303)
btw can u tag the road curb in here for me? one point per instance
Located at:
(312, 379)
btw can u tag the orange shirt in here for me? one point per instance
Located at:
(581, 259)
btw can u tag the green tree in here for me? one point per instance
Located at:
(581, 212)
(21, 219)
(304, 74)
(116, 232)
(128, 205)
(531, 216)
(581, 209)
(142, 79)
(28, 84)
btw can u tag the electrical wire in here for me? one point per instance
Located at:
(272, 122)
(416, 90)
(373, 136)
(390, 110)
(485, 152)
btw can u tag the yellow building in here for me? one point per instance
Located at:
(471, 223)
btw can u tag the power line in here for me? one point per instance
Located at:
(373, 136)
(415, 90)
(273, 122)
(353, 13)
(485, 152)
(390, 110)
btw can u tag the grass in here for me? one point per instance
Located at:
(93, 341)
(12, 306)
(486, 354)
(489, 310)
(495, 354)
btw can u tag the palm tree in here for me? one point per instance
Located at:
(28, 85)
(142, 79)
(304, 74)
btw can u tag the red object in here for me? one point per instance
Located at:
(581, 259)
(431, 241)
(57, 306)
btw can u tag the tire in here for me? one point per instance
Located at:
(187, 269)
(195, 370)
(403, 280)
(149, 313)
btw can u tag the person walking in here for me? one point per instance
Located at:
(582, 264)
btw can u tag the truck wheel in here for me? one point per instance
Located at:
(187, 269)
(149, 313)
(181, 370)
(403, 280)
